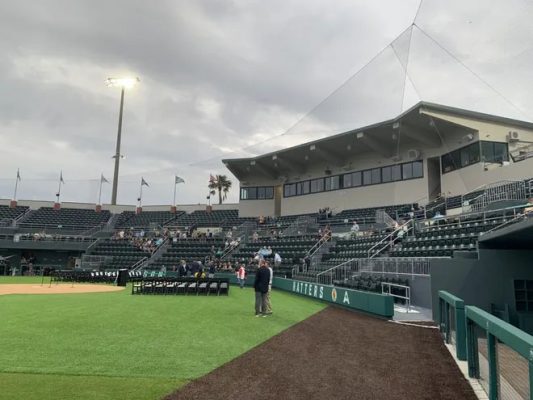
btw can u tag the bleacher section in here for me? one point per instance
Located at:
(370, 283)
(347, 249)
(368, 215)
(8, 213)
(188, 250)
(291, 250)
(121, 253)
(146, 219)
(66, 218)
(222, 218)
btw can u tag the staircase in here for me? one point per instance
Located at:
(301, 226)
(498, 191)
(156, 256)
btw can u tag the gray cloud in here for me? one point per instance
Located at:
(217, 77)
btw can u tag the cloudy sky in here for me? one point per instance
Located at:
(223, 79)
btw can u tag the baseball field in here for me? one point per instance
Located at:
(117, 346)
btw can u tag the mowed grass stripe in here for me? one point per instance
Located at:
(68, 387)
(120, 335)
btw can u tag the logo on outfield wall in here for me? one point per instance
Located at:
(334, 295)
(308, 289)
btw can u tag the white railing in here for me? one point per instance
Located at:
(396, 266)
(388, 240)
(386, 289)
(139, 264)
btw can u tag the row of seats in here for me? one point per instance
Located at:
(175, 286)
(70, 218)
(123, 253)
(130, 219)
(7, 212)
(85, 276)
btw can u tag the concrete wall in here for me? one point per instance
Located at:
(255, 208)
(117, 209)
(482, 282)
(474, 176)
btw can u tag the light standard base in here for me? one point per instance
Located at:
(13, 204)
(138, 210)
(57, 206)
(98, 208)
(173, 209)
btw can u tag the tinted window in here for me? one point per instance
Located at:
(347, 180)
(407, 171)
(269, 192)
(356, 179)
(367, 177)
(396, 172)
(418, 169)
(386, 174)
(376, 175)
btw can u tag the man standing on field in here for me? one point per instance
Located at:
(261, 283)
(268, 309)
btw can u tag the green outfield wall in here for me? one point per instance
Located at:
(373, 303)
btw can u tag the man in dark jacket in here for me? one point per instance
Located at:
(262, 280)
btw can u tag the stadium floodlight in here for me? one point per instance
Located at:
(126, 83)
(122, 83)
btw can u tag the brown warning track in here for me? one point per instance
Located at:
(338, 354)
(61, 288)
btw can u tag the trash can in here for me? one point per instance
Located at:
(122, 277)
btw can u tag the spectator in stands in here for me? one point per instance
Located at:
(255, 237)
(262, 280)
(277, 259)
(528, 211)
(307, 262)
(354, 229)
(241, 276)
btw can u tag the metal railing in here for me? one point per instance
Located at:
(396, 266)
(499, 355)
(339, 272)
(389, 240)
(452, 322)
(498, 191)
(386, 288)
(139, 264)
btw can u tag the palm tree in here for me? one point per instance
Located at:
(222, 184)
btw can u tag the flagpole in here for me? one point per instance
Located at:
(59, 189)
(141, 195)
(100, 191)
(16, 185)
(175, 184)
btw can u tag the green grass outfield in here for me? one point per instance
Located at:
(117, 346)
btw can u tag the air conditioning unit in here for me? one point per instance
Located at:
(513, 136)
(413, 154)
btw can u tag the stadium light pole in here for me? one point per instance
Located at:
(123, 84)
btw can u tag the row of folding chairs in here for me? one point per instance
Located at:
(175, 286)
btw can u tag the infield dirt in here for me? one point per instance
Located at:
(338, 354)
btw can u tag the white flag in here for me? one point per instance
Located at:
(61, 177)
(179, 180)
(18, 175)
(144, 183)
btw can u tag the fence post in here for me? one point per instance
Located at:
(471, 350)
(493, 366)
(460, 331)
(530, 375)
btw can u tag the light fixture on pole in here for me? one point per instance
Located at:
(122, 83)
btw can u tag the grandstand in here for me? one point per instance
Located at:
(434, 212)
